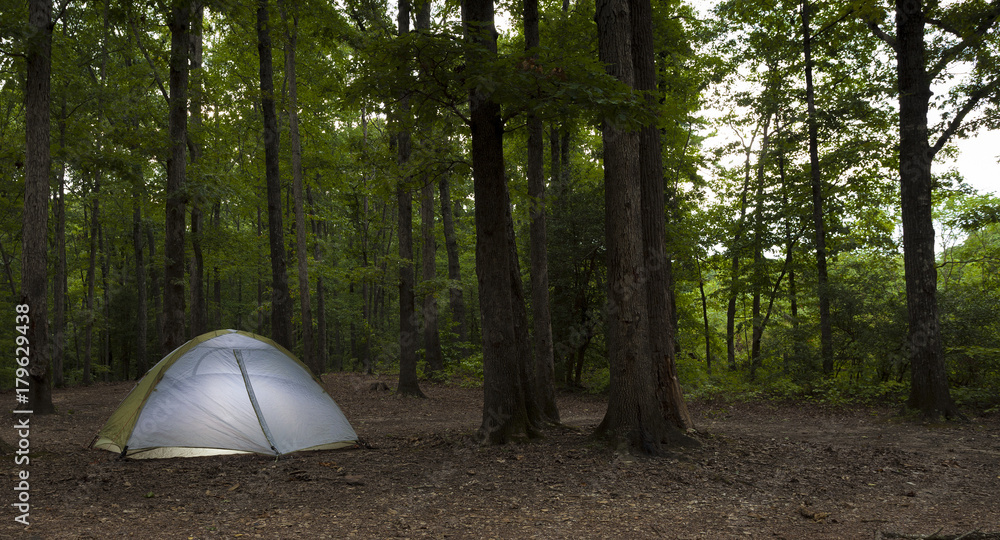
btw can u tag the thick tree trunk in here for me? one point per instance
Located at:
(455, 300)
(173, 269)
(656, 263)
(929, 391)
(823, 290)
(633, 420)
(540, 312)
(33, 308)
(408, 383)
(301, 253)
(504, 411)
(281, 301)
(525, 357)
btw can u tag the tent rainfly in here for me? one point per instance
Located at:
(226, 392)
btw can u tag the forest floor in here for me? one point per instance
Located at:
(763, 470)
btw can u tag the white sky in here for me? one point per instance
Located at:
(977, 161)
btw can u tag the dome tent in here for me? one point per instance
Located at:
(225, 392)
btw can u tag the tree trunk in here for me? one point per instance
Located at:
(525, 358)
(455, 299)
(33, 308)
(59, 286)
(929, 391)
(428, 252)
(154, 284)
(540, 312)
(281, 301)
(504, 411)
(199, 306)
(823, 290)
(656, 263)
(217, 281)
(633, 421)
(142, 331)
(736, 251)
(704, 316)
(173, 269)
(91, 279)
(305, 309)
(408, 383)
(759, 273)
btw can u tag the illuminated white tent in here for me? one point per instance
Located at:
(226, 392)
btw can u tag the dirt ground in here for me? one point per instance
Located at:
(768, 470)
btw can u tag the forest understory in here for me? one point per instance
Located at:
(763, 470)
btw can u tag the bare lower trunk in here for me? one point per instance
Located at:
(544, 372)
(825, 324)
(656, 267)
(929, 391)
(408, 383)
(301, 254)
(173, 270)
(455, 299)
(281, 302)
(504, 412)
(32, 311)
(428, 251)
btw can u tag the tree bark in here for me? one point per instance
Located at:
(408, 383)
(823, 289)
(455, 298)
(142, 331)
(173, 269)
(154, 287)
(633, 421)
(59, 286)
(33, 308)
(281, 301)
(929, 391)
(504, 412)
(301, 252)
(428, 252)
(656, 263)
(199, 305)
(91, 278)
(540, 311)
(736, 251)
(217, 282)
(704, 316)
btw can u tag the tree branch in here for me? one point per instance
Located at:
(943, 25)
(152, 66)
(974, 99)
(988, 20)
(883, 35)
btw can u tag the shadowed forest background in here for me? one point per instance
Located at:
(322, 174)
